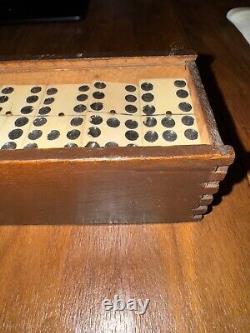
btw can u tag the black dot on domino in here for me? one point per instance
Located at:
(26, 109)
(51, 91)
(98, 95)
(92, 144)
(130, 108)
(168, 122)
(22, 121)
(9, 145)
(169, 135)
(191, 134)
(131, 135)
(96, 120)
(100, 85)
(44, 110)
(187, 120)
(7, 90)
(3, 99)
(82, 97)
(151, 136)
(96, 106)
(148, 97)
(130, 88)
(32, 99)
(130, 98)
(80, 108)
(111, 144)
(40, 121)
(181, 93)
(71, 145)
(53, 135)
(94, 132)
(83, 88)
(49, 100)
(186, 107)
(15, 133)
(131, 124)
(180, 83)
(77, 121)
(113, 122)
(35, 89)
(73, 134)
(148, 110)
(31, 145)
(150, 121)
(35, 134)
(146, 86)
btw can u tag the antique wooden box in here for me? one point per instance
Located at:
(137, 142)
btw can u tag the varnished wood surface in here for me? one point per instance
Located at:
(53, 278)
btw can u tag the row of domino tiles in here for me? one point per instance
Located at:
(156, 112)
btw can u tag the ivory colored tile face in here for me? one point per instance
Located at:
(13, 131)
(26, 99)
(158, 96)
(156, 112)
(55, 132)
(112, 130)
(20, 99)
(6, 99)
(168, 130)
(119, 97)
(65, 99)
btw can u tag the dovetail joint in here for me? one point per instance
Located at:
(208, 189)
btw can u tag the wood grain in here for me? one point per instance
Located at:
(86, 186)
(136, 185)
(53, 278)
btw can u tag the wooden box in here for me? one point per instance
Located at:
(144, 184)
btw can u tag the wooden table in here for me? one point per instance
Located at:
(53, 278)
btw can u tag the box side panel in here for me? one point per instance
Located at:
(96, 192)
(206, 113)
(77, 63)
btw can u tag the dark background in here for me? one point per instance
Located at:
(52, 278)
